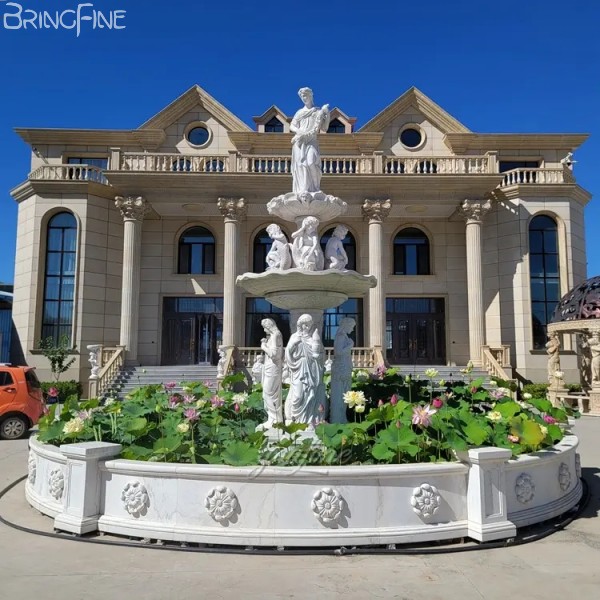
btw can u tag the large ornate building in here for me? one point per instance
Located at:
(135, 237)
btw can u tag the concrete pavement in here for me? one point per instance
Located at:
(565, 564)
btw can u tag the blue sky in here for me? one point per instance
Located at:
(511, 66)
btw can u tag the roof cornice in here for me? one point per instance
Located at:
(549, 192)
(463, 142)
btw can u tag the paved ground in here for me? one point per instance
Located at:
(566, 564)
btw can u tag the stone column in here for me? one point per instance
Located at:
(473, 211)
(133, 210)
(376, 211)
(233, 211)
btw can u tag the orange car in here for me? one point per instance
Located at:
(21, 401)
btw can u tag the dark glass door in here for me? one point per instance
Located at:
(415, 331)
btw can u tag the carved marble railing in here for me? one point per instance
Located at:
(173, 162)
(442, 165)
(111, 360)
(69, 173)
(494, 361)
(537, 176)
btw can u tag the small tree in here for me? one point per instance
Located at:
(57, 354)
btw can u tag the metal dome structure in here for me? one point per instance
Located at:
(582, 302)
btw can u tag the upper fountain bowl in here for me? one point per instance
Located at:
(295, 207)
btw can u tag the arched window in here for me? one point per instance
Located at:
(59, 282)
(262, 245)
(349, 246)
(411, 252)
(544, 274)
(274, 126)
(197, 251)
(336, 126)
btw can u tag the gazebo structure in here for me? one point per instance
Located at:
(578, 313)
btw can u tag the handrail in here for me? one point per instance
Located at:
(491, 365)
(537, 176)
(111, 362)
(69, 172)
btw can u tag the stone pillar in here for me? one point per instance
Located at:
(473, 212)
(376, 211)
(133, 210)
(83, 488)
(233, 211)
(594, 343)
(487, 511)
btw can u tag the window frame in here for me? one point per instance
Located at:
(180, 243)
(427, 245)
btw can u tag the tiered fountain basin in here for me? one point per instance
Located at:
(299, 289)
(86, 488)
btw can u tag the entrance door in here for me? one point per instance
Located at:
(415, 331)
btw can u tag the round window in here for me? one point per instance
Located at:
(411, 137)
(198, 136)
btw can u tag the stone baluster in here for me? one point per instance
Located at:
(376, 211)
(474, 211)
(233, 211)
(133, 210)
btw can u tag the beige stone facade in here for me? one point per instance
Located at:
(126, 265)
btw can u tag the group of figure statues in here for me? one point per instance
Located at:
(589, 352)
(302, 365)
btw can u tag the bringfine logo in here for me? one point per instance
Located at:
(82, 16)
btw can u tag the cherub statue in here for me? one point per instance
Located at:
(279, 256)
(306, 250)
(334, 251)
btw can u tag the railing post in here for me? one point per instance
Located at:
(492, 160)
(233, 161)
(378, 162)
(115, 159)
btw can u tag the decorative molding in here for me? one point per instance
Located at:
(56, 483)
(222, 504)
(31, 468)
(461, 142)
(564, 477)
(133, 208)
(524, 488)
(135, 498)
(425, 500)
(473, 211)
(233, 209)
(376, 211)
(328, 506)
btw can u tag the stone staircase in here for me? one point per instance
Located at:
(131, 378)
(445, 373)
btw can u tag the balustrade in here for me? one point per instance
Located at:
(539, 176)
(69, 173)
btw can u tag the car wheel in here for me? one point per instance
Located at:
(13, 427)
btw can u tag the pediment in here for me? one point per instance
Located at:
(408, 102)
(272, 112)
(195, 96)
(343, 118)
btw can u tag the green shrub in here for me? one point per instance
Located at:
(537, 390)
(65, 389)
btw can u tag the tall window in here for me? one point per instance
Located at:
(544, 274)
(274, 126)
(59, 284)
(349, 246)
(336, 126)
(411, 252)
(197, 252)
(262, 245)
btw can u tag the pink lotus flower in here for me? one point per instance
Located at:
(84, 415)
(52, 392)
(437, 403)
(513, 438)
(380, 403)
(171, 385)
(398, 424)
(394, 400)
(473, 389)
(550, 420)
(422, 415)
(236, 408)
(217, 402)
(187, 399)
(191, 414)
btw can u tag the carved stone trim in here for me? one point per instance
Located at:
(328, 506)
(473, 211)
(31, 468)
(233, 209)
(564, 477)
(135, 498)
(425, 500)
(56, 483)
(133, 208)
(376, 210)
(222, 504)
(524, 488)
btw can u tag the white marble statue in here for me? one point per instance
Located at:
(94, 360)
(306, 249)
(279, 256)
(553, 352)
(272, 346)
(335, 254)
(258, 369)
(595, 350)
(585, 360)
(221, 363)
(305, 358)
(341, 370)
(306, 160)
(568, 160)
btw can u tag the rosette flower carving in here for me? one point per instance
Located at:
(221, 504)
(564, 477)
(56, 484)
(135, 498)
(31, 468)
(524, 488)
(425, 500)
(328, 506)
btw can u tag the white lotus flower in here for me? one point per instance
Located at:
(75, 425)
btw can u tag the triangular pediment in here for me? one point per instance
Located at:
(410, 100)
(187, 101)
(272, 111)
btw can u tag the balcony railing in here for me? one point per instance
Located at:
(459, 165)
(69, 173)
(177, 163)
(537, 176)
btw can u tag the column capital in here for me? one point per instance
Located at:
(376, 210)
(473, 211)
(232, 209)
(133, 208)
